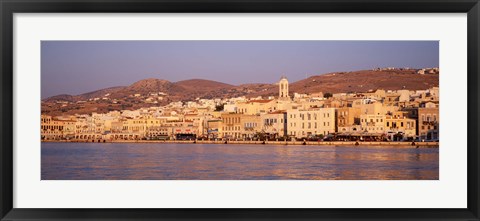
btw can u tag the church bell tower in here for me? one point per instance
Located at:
(283, 89)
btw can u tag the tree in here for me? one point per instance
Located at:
(327, 95)
(219, 107)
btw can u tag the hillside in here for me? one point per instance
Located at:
(363, 81)
(136, 95)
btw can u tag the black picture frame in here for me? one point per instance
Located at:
(9, 7)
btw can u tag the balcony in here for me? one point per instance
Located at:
(429, 123)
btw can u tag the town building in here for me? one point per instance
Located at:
(231, 126)
(275, 124)
(308, 123)
(428, 123)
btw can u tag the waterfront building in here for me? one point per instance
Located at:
(51, 129)
(214, 128)
(307, 123)
(346, 117)
(116, 126)
(428, 123)
(398, 126)
(231, 125)
(251, 125)
(184, 130)
(68, 129)
(349, 129)
(274, 124)
(373, 123)
(155, 129)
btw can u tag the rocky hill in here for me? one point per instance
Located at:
(139, 94)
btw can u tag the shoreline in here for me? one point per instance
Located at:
(306, 143)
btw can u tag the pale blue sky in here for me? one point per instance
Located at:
(75, 67)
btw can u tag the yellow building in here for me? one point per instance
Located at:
(69, 128)
(307, 123)
(185, 130)
(251, 125)
(135, 126)
(397, 123)
(51, 129)
(154, 128)
(231, 126)
(308, 104)
(256, 107)
(372, 123)
(369, 107)
(391, 99)
(347, 116)
(428, 123)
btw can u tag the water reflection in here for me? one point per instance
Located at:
(124, 161)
